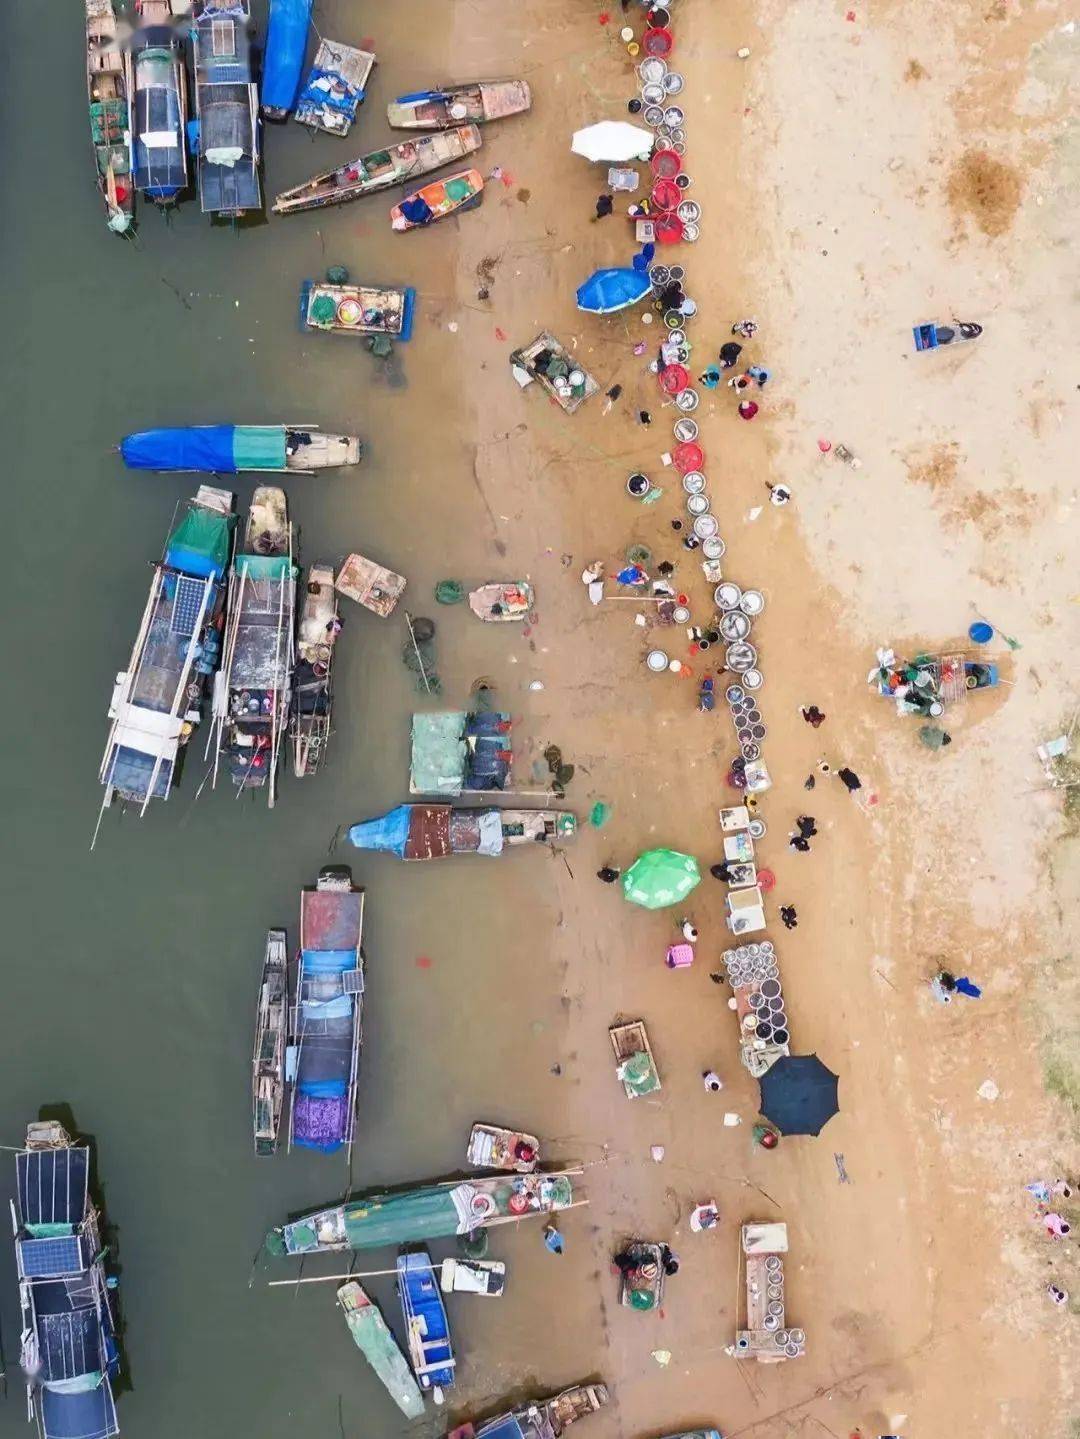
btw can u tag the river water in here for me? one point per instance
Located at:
(132, 971)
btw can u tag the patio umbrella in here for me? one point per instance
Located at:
(798, 1094)
(613, 141)
(609, 290)
(660, 877)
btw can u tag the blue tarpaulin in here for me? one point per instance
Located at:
(283, 61)
(387, 834)
(202, 447)
(609, 290)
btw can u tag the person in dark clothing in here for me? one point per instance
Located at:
(604, 206)
(788, 915)
(809, 782)
(812, 715)
(850, 779)
(626, 1263)
(691, 542)
(644, 417)
(614, 392)
(669, 1261)
(807, 826)
(665, 568)
(718, 978)
(729, 354)
(721, 871)
(609, 874)
(799, 842)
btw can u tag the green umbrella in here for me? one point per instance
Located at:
(660, 877)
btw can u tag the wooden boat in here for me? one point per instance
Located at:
(157, 85)
(554, 368)
(312, 693)
(357, 309)
(335, 87)
(437, 1210)
(635, 1065)
(226, 109)
(252, 692)
(491, 1147)
(502, 600)
(268, 1060)
(427, 1328)
(463, 191)
(370, 585)
(643, 1287)
(325, 1029)
(157, 700)
(476, 103)
(110, 114)
(239, 449)
(486, 1277)
(541, 1418)
(434, 831)
(372, 1336)
(380, 169)
(69, 1353)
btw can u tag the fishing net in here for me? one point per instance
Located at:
(420, 659)
(449, 592)
(337, 275)
(323, 310)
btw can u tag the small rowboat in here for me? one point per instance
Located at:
(502, 601)
(491, 1147)
(463, 191)
(450, 105)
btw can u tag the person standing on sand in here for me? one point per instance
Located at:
(812, 715)
(788, 915)
(604, 206)
(740, 382)
(849, 779)
(800, 843)
(1059, 1296)
(746, 328)
(747, 409)
(729, 354)
(806, 824)
(778, 494)
(721, 871)
(713, 1083)
(760, 374)
(609, 874)
(689, 933)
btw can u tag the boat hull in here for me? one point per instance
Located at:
(380, 170)
(448, 105)
(371, 1335)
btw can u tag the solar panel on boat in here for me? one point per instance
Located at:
(186, 605)
(48, 1258)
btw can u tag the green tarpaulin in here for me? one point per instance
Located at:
(438, 753)
(401, 1219)
(203, 532)
(259, 447)
(264, 567)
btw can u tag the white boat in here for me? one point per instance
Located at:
(445, 106)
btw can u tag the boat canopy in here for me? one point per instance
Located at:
(283, 61)
(83, 1414)
(199, 545)
(210, 449)
(52, 1189)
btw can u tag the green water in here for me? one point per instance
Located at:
(130, 974)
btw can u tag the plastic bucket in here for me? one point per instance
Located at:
(980, 633)
(668, 228)
(665, 164)
(688, 456)
(673, 379)
(666, 195)
(658, 41)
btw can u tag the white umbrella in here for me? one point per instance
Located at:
(613, 140)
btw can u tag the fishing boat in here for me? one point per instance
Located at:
(251, 691)
(69, 1350)
(371, 585)
(492, 1147)
(357, 309)
(372, 1336)
(323, 1055)
(380, 170)
(550, 364)
(239, 449)
(502, 601)
(283, 59)
(312, 693)
(226, 110)
(268, 1060)
(476, 103)
(433, 831)
(427, 1328)
(110, 114)
(543, 1418)
(157, 701)
(427, 1211)
(463, 191)
(157, 84)
(335, 87)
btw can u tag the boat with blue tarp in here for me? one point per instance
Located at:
(69, 1353)
(427, 1329)
(157, 83)
(239, 449)
(437, 1210)
(322, 1058)
(372, 1336)
(434, 831)
(283, 58)
(252, 690)
(226, 110)
(445, 106)
(542, 1418)
(335, 87)
(157, 700)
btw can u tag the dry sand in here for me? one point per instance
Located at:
(857, 176)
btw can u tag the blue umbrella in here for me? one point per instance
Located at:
(611, 290)
(798, 1094)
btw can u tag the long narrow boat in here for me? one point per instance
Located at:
(268, 1059)
(69, 1350)
(239, 449)
(110, 114)
(372, 1336)
(427, 1329)
(157, 84)
(460, 192)
(283, 60)
(434, 831)
(335, 87)
(436, 1210)
(312, 696)
(325, 1019)
(543, 1418)
(251, 691)
(157, 701)
(380, 170)
(227, 110)
(476, 103)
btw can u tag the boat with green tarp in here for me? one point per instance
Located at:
(372, 1336)
(427, 1211)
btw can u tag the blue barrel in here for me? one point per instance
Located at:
(980, 633)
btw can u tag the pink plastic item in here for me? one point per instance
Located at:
(679, 956)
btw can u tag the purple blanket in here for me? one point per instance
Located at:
(319, 1121)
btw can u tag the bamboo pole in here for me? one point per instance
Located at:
(279, 691)
(416, 650)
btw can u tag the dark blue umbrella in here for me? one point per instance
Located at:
(798, 1094)
(610, 290)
